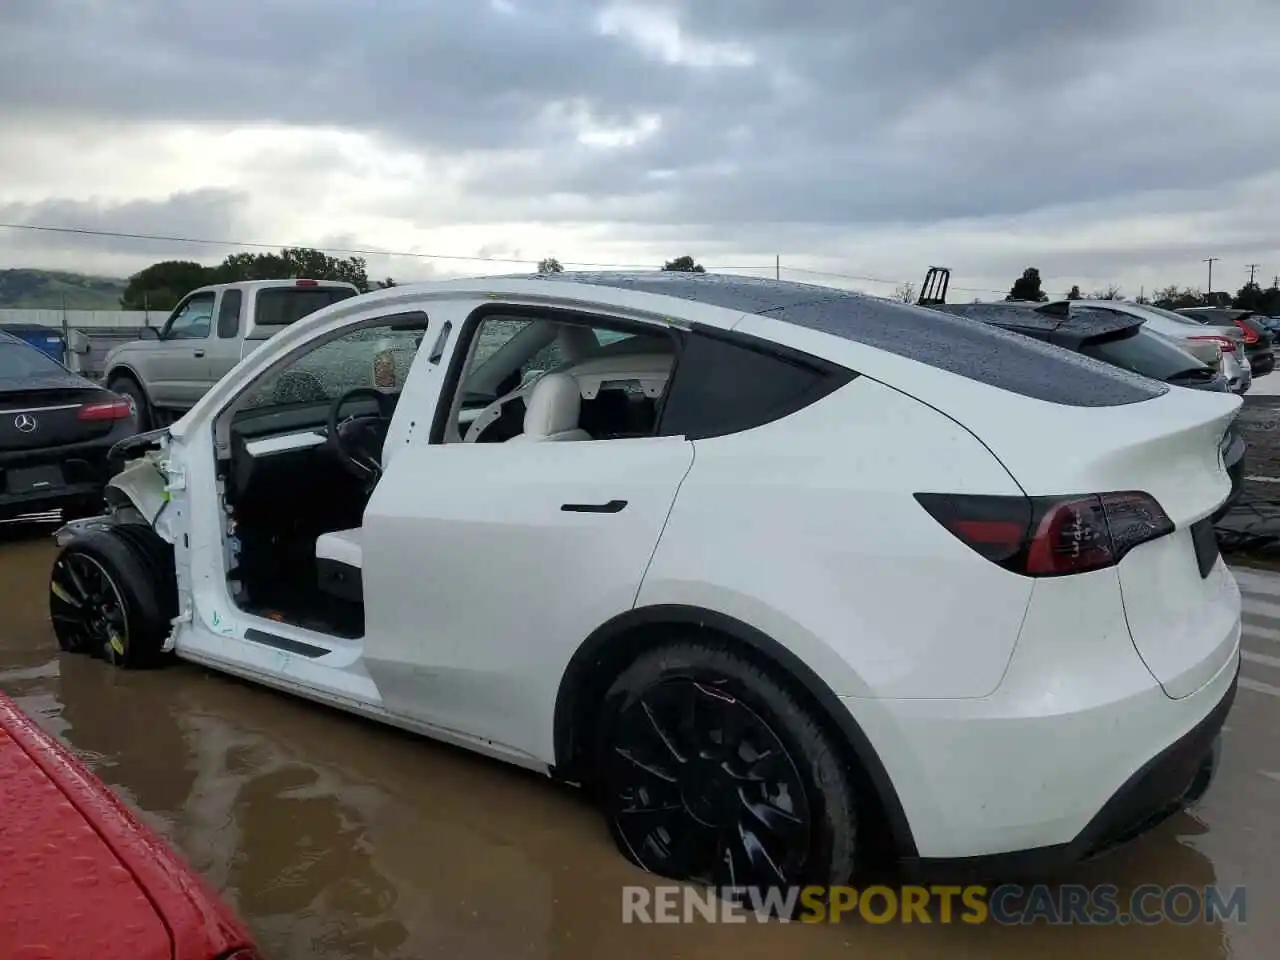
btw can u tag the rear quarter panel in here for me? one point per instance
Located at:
(807, 529)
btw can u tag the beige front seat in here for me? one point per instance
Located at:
(551, 412)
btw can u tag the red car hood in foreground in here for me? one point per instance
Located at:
(82, 877)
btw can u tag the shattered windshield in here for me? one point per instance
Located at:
(372, 357)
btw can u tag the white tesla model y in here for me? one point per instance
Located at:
(785, 574)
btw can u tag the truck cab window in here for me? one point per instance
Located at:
(192, 320)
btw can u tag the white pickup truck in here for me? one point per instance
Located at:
(207, 334)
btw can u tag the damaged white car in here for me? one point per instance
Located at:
(790, 576)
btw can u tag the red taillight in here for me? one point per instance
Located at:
(1226, 343)
(1050, 536)
(105, 410)
(307, 283)
(1249, 335)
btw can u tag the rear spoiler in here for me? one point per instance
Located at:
(1055, 323)
(1117, 332)
(1102, 328)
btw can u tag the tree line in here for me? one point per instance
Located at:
(678, 265)
(1251, 296)
(162, 285)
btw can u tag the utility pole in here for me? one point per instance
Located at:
(66, 333)
(1252, 267)
(1210, 261)
(777, 266)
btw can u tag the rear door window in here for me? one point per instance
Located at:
(723, 385)
(229, 314)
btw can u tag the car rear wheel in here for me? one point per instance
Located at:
(710, 771)
(112, 595)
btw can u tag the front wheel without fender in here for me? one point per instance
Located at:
(710, 771)
(129, 388)
(112, 594)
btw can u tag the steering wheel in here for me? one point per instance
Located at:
(357, 441)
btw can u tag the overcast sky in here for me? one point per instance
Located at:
(1101, 140)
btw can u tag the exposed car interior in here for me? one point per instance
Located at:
(300, 453)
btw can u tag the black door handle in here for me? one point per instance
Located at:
(613, 506)
(198, 353)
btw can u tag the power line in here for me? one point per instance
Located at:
(347, 251)
(1252, 267)
(850, 276)
(369, 252)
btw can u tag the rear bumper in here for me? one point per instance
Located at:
(1262, 362)
(1236, 370)
(1078, 748)
(1172, 780)
(1176, 777)
(83, 469)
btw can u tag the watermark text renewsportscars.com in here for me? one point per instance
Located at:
(1010, 904)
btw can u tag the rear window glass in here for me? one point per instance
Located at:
(1144, 353)
(1169, 314)
(974, 350)
(19, 362)
(956, 344)
(281, 306)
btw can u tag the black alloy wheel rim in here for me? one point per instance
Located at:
(700, 788)
(87, 610)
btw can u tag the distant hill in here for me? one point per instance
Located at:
(51, 289)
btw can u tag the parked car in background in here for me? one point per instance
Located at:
(1122, 340)
(1222, 348)
(56, 429)
(83, 877)
(694, 586)
(206, 335)
(1259, 341)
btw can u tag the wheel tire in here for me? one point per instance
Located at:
(128, 387)
(666, 827)
(112, 594)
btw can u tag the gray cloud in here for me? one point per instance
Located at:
(452, 75)
(200, 214)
